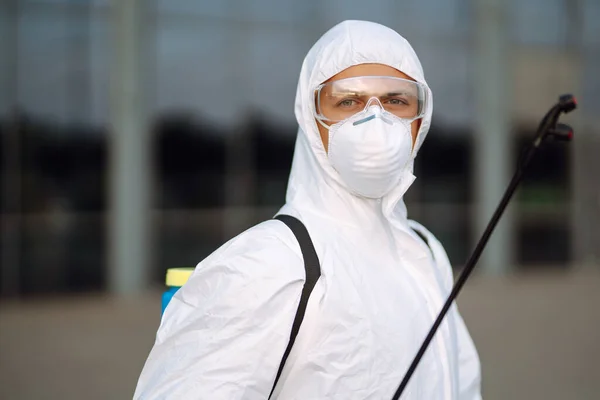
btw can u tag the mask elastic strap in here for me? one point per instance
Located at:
(322, 123)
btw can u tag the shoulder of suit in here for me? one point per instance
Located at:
(268, 247)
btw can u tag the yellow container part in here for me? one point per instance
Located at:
(177, 277)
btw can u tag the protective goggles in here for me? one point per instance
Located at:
(338, 100)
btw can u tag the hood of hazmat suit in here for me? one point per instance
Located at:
(224, 333)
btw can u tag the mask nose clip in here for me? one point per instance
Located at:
(373, 109)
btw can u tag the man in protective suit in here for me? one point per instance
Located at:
(363, 109)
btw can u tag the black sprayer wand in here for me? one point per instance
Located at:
(548, 127)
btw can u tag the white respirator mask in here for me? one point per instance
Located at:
(371, 150)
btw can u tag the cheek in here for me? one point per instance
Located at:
(414, 126)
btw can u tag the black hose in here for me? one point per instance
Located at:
(546, 125)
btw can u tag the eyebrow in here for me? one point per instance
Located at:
(397, 93)
(389, 94)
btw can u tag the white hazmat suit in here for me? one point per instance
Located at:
(224, 333)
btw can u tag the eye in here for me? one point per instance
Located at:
(347, 103)
(397, 101)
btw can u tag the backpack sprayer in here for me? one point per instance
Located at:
(549, 127)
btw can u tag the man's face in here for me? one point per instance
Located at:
(368, 70)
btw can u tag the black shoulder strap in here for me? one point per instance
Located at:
(424, 239)
(313, 272)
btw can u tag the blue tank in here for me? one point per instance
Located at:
(176, 278)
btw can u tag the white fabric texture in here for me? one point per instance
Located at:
(224, 333)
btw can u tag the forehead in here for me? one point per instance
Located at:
(369, 70)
